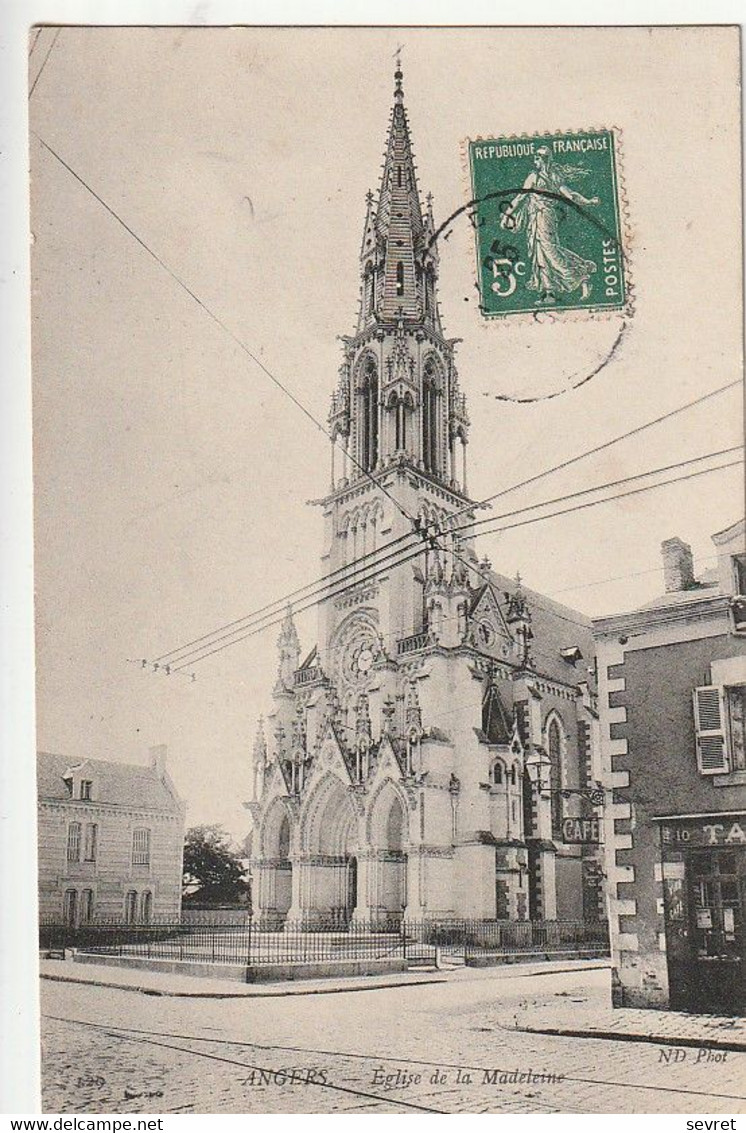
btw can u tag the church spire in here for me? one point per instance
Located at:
(398, 263)
(398, 399)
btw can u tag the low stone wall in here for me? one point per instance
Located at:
(496, 958)
(267, 973)
(254, 973)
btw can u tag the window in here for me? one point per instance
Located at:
(368, 404)
(91, 842)
(400, 278)
(70, 908)
(739, 573)
(141, 846)
(86, 906)
(712, 704)
(554, 751)
(73, 842)
(496, 775)
(85, 789)
(146, 906)
(130, 907)
(736, 698)
(431, 399)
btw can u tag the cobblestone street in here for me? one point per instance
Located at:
(444, 1048)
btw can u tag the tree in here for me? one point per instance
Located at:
(213, 872)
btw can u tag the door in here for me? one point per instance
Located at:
(70, 908)
(351, 887)
(716, 886)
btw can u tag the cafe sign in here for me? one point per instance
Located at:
(581, 831)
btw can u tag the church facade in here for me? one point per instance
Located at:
(422, 760)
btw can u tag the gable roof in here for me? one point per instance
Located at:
(121, 784)
(555, 627)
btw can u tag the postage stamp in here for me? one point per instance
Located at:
(548, 222)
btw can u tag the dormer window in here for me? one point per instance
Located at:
(85, 789)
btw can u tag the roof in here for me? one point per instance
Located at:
(682, 597)
(728, 533)
(555, 627)
(121, 784)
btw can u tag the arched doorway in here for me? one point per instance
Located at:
(388, 828)
(330, 845)
(274, 886)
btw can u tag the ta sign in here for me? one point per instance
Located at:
(581, 831)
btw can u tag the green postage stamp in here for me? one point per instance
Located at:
(548, 223)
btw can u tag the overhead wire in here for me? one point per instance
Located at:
(407, 555)
(354, 570)
(606, 444)
(374, 478)
(44, 61)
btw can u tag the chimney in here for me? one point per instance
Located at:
(678, 565)
(158, 759)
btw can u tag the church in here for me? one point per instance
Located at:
(425, 758)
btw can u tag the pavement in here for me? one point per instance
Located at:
(626, 1024)
(450, 1046)
(597, 1020)
(197, 987)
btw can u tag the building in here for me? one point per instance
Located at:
(672, 696)
(421, 759)
(111, 840)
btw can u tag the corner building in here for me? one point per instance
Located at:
(421, 760)
(672, 680)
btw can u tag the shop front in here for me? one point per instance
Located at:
(704, 895)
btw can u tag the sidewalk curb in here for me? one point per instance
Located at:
(630, 1037)
(278, 994)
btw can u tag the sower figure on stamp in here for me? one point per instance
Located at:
(554, 267)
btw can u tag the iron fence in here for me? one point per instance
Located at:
(480, 938)
(260, 943)
(231, 943)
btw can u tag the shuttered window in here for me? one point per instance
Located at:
(73, 842)
(711, 731)
(141, 846)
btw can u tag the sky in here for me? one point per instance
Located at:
(172, 477)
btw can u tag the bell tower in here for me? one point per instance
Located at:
(398, 417)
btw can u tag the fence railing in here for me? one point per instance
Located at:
(253, 943)
(414, 642)
(477, 938)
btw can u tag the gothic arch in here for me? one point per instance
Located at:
(328, 823)
(357, 623)
(366, 384)
(277, 831)
(555, 745)
(387, 800)
(498, 773)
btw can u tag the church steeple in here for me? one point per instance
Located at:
(398, 399)
(399, 267)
